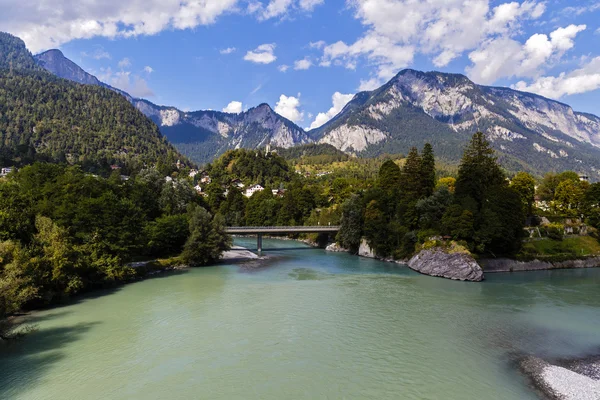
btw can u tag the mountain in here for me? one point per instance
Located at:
(55, 62)
(529, 132)
(200, 135)
(49, 118)
(204, 135)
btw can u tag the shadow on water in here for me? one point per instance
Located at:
(24, 362)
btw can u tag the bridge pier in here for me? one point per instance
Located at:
(259, 244)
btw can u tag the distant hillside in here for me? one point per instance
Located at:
(42, 116)
(529, 132)
(314, 153)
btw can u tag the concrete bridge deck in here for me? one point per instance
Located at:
(278, 230)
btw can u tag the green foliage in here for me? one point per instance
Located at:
(428, 170)
(478, 170)
(207, 240)
(569, 197)
(524, 184)
(559, 250)
(251, 166)
(352, 221)
(166, 235)
(46, 118)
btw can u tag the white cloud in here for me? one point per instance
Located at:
(339, 102)
(148, 69)
(126, 81)
(256, 89)
(303, 64)
(235, 107)
(283, 68)
(263, 54)
(397, 30)
(309, 5)
(317, 45)
(49, 24)
(581, 9)
(125, 63)
(228, 50)
(99, 53)
(280, 8)
(584, 79)
(288, 107)
(505, 58)
(369, 84)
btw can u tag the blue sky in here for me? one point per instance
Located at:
(306, 58)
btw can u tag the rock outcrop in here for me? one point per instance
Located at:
(576, 380)
(456, 266)
(365, 250)
(336, 248)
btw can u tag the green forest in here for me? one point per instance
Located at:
(45, 118)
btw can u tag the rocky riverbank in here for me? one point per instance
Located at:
(509, 265)
(440, 262)
(565, 380)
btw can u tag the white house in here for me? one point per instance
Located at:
(198, 188)
(205, 178)
(253, 189)
(193, 173)
(238, 184)
(5, 171)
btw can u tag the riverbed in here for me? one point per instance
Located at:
(307, 325)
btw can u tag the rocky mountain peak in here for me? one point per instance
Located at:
(55, 62)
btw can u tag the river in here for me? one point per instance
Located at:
(307, 325)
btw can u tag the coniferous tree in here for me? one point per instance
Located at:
(428, 170)
(478, 170)
(412, 185)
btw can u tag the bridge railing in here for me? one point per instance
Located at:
(253, 228)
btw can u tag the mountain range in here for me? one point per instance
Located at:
(529, 132)
(43, 117)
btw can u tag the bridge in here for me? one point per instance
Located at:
(259, 231)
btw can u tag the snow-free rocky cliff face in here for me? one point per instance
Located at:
(219, 131)
(529, 131)
(55, 62)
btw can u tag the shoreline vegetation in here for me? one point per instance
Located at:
(65, 230)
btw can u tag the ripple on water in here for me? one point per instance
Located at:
(312, 325)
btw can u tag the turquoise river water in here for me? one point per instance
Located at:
(306, 325)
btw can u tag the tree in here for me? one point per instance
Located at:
(352, 220)
(550, 183)
(207, 240)
(389, 176)
(428, 170)
(431, 209)
(167, 235)
(478, 170)
(524, 184)
(448, 182)
(16, 287)
(234, 208)
(412, 185)
(569, 197)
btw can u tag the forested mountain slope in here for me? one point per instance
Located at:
(45, 117)
(528, 131)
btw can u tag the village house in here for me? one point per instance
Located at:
(253, 189)
(205, 178)
(238, 184)
(278, 192)
(198, 188)
(5, 171)
(193, 173)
